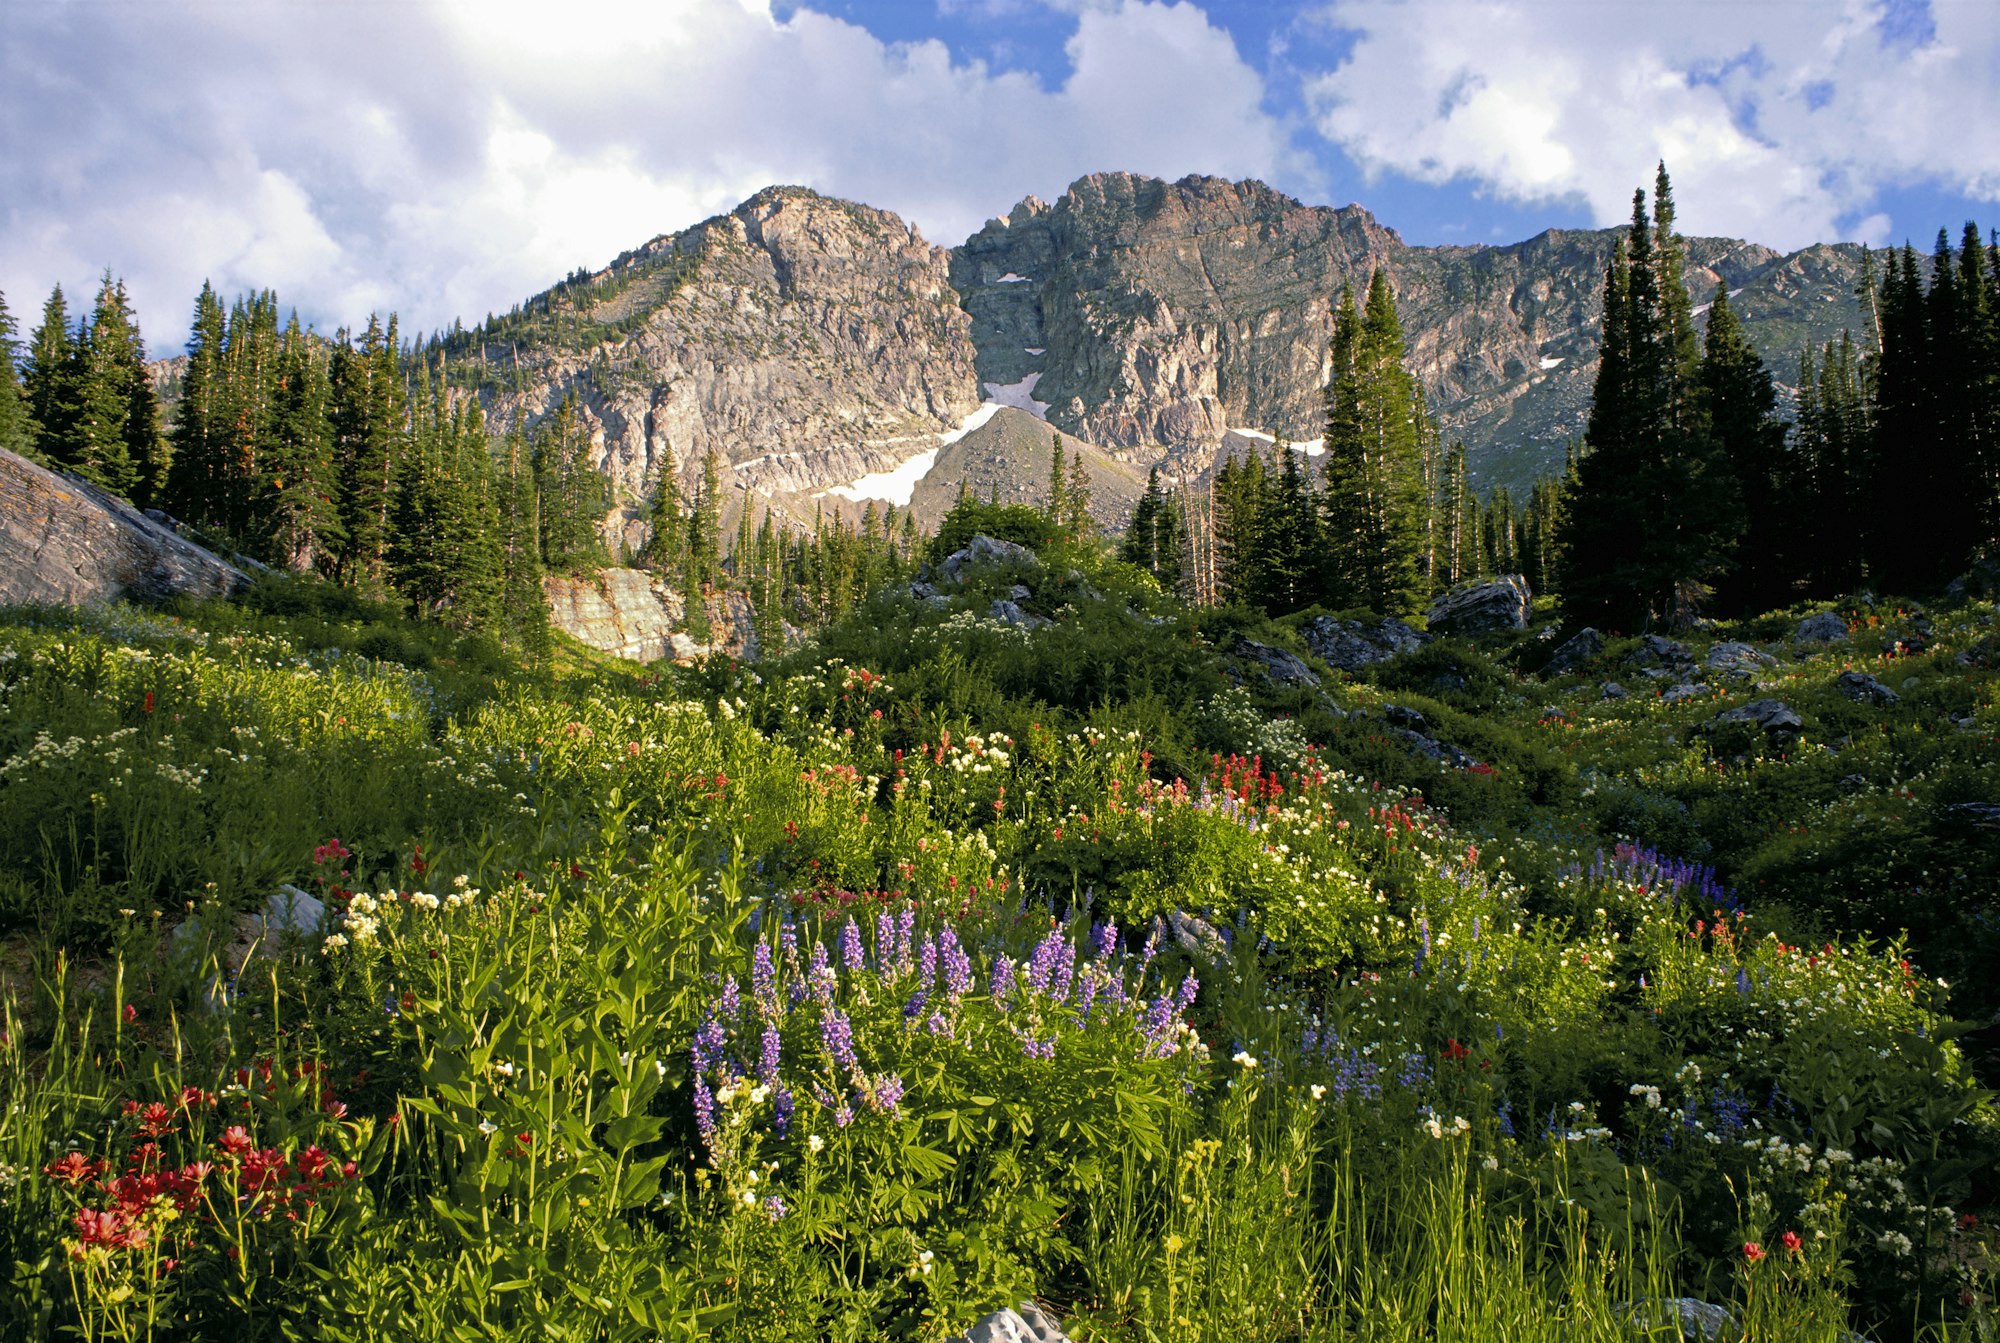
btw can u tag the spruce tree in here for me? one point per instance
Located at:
(573, 495)
(194, 490)
(524, 608)
(1077, 519)
(1741, 408)
(1058, 500)
(1374, 506)
(297, 508)
(15, 427)
(369, 440)
(49, 380)
(103, 364)
(1287, 576)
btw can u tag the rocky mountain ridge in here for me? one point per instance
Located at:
(815, 342)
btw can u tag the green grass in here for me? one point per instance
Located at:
(636, 1013)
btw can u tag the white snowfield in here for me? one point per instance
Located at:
(1019, 395)
(1550, 361)
(1311, 447)
(1033, 349)
(897, 485)
(1011, 278)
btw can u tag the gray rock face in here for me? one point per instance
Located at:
(1865, 689)
(1612, 690)
(1027, 1323)
(1736, 659)
(1578, 649)
(1284, 668)
(1686, 690)
(1010, 613)
(1773, 717)
(1698, 1321)
(980, 550)
(636, 614)
(1353, 644)
(67, 543)
(1503, 603)
(1657, 651)
(1820, 631)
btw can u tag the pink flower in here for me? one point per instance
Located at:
(1790, 1240)
(1752, 1251)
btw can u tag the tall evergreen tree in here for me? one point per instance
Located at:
(1374, 501)
(194, 488)
(1741, 407)
(524, 608)
(1287, 570)
(15, 427)
(1058, 497)
(49, 379)
(1654, 511)
(297, 509)
(573, 496)
(370, 432)
(1153, 540)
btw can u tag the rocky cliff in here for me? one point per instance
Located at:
(1169, 313)
(66, 542)
(808, 341)
(813, 342)
(634, 614)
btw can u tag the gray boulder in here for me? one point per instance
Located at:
(1736, 659)
(66, 542)
(983, 549)
(1820, 631)
(1284, 668)
(1502, 603)
(1010, 613)
(1686, 690)
(1698, 1321)
(1773, 717)
(1196, 936)
(1027, 1323)
(1578, 649)
(1657, 651)
(1353, 644)
(1612, 690)
(1865, 689)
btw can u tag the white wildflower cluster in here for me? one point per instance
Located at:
(1439, 1127)
(1651, 1093)
(361, 923)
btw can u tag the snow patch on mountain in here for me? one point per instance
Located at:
(895, 486)
(1011, 278)
(1550, 361)
(1019, 395)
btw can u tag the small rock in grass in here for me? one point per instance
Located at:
(1736, 659)
(1612, 690)
(1822, 630)
(1284, 668)
(1774, 717)
(1865, 689)
(1674, 694)
(1502, 603)
(1026, 1325)
(1578, 649)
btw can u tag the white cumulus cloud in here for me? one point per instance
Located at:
(446, 158)
(1779, 122)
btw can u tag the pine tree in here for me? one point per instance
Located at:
(1287, 570)
(1741, 408)
(1077, 519)
(1058, 501)
(666, 517)
(194, 489)
(1374, 500)
(1153, 540)
(573, 496)
(1238, 528)
(370, 439)
(49, 380)
(1653, 513)
(524, 609)
(1459, 511)
(15, 427)
(298, 507)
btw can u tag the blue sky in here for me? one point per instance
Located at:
(446, 158)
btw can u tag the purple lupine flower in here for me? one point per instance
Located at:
(774, 1208)
(788, 944)
(767, 1059)
(1475, 927)
(1309, 1038)
(710, 1047)
(1031, 1048)
(1042, 964)
(843, 1116)
(729, 1004)
(1184, 997)
(927, 962)
(1415, 1074)
(957, 966)
(1114, 989)
(820, 977)
(887, 1094)
(764, 980)
(1104, 938)
(1159, 1027)
(939, 1025)
(1065, 971)
(914, 1007)
(782, 1108)
(1086, 993)
(885, 939)
(837, 1032)
(1003, 981)
(1147, 952)
(906, 936)
(851, 955)
(704, 1111)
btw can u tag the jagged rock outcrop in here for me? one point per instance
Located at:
(808, 341)
(1168, 313)
(1351, 645)
(1502, 603)
(66, 542)
(636, 614)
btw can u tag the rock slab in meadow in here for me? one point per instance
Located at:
(1865, 689)
(65, 542)
(1736, 659)
(1284, 668)
(1820, 631)
(1502, 603)
(1027, 1324)
(1353, 644)
(637, 614)
(1773, 717)
(1578, 649)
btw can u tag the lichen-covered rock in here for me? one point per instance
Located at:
(1820, 631)
(1284, 668)
(1865, 689)
(1736, 659)
(1010, 613)
(1658, 651)
(1578, 649)
(1351, 645)
(1612, 690)
(637, 614)
(983, 550)
(65, 542)
(1773, 717)
(1502, 603)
